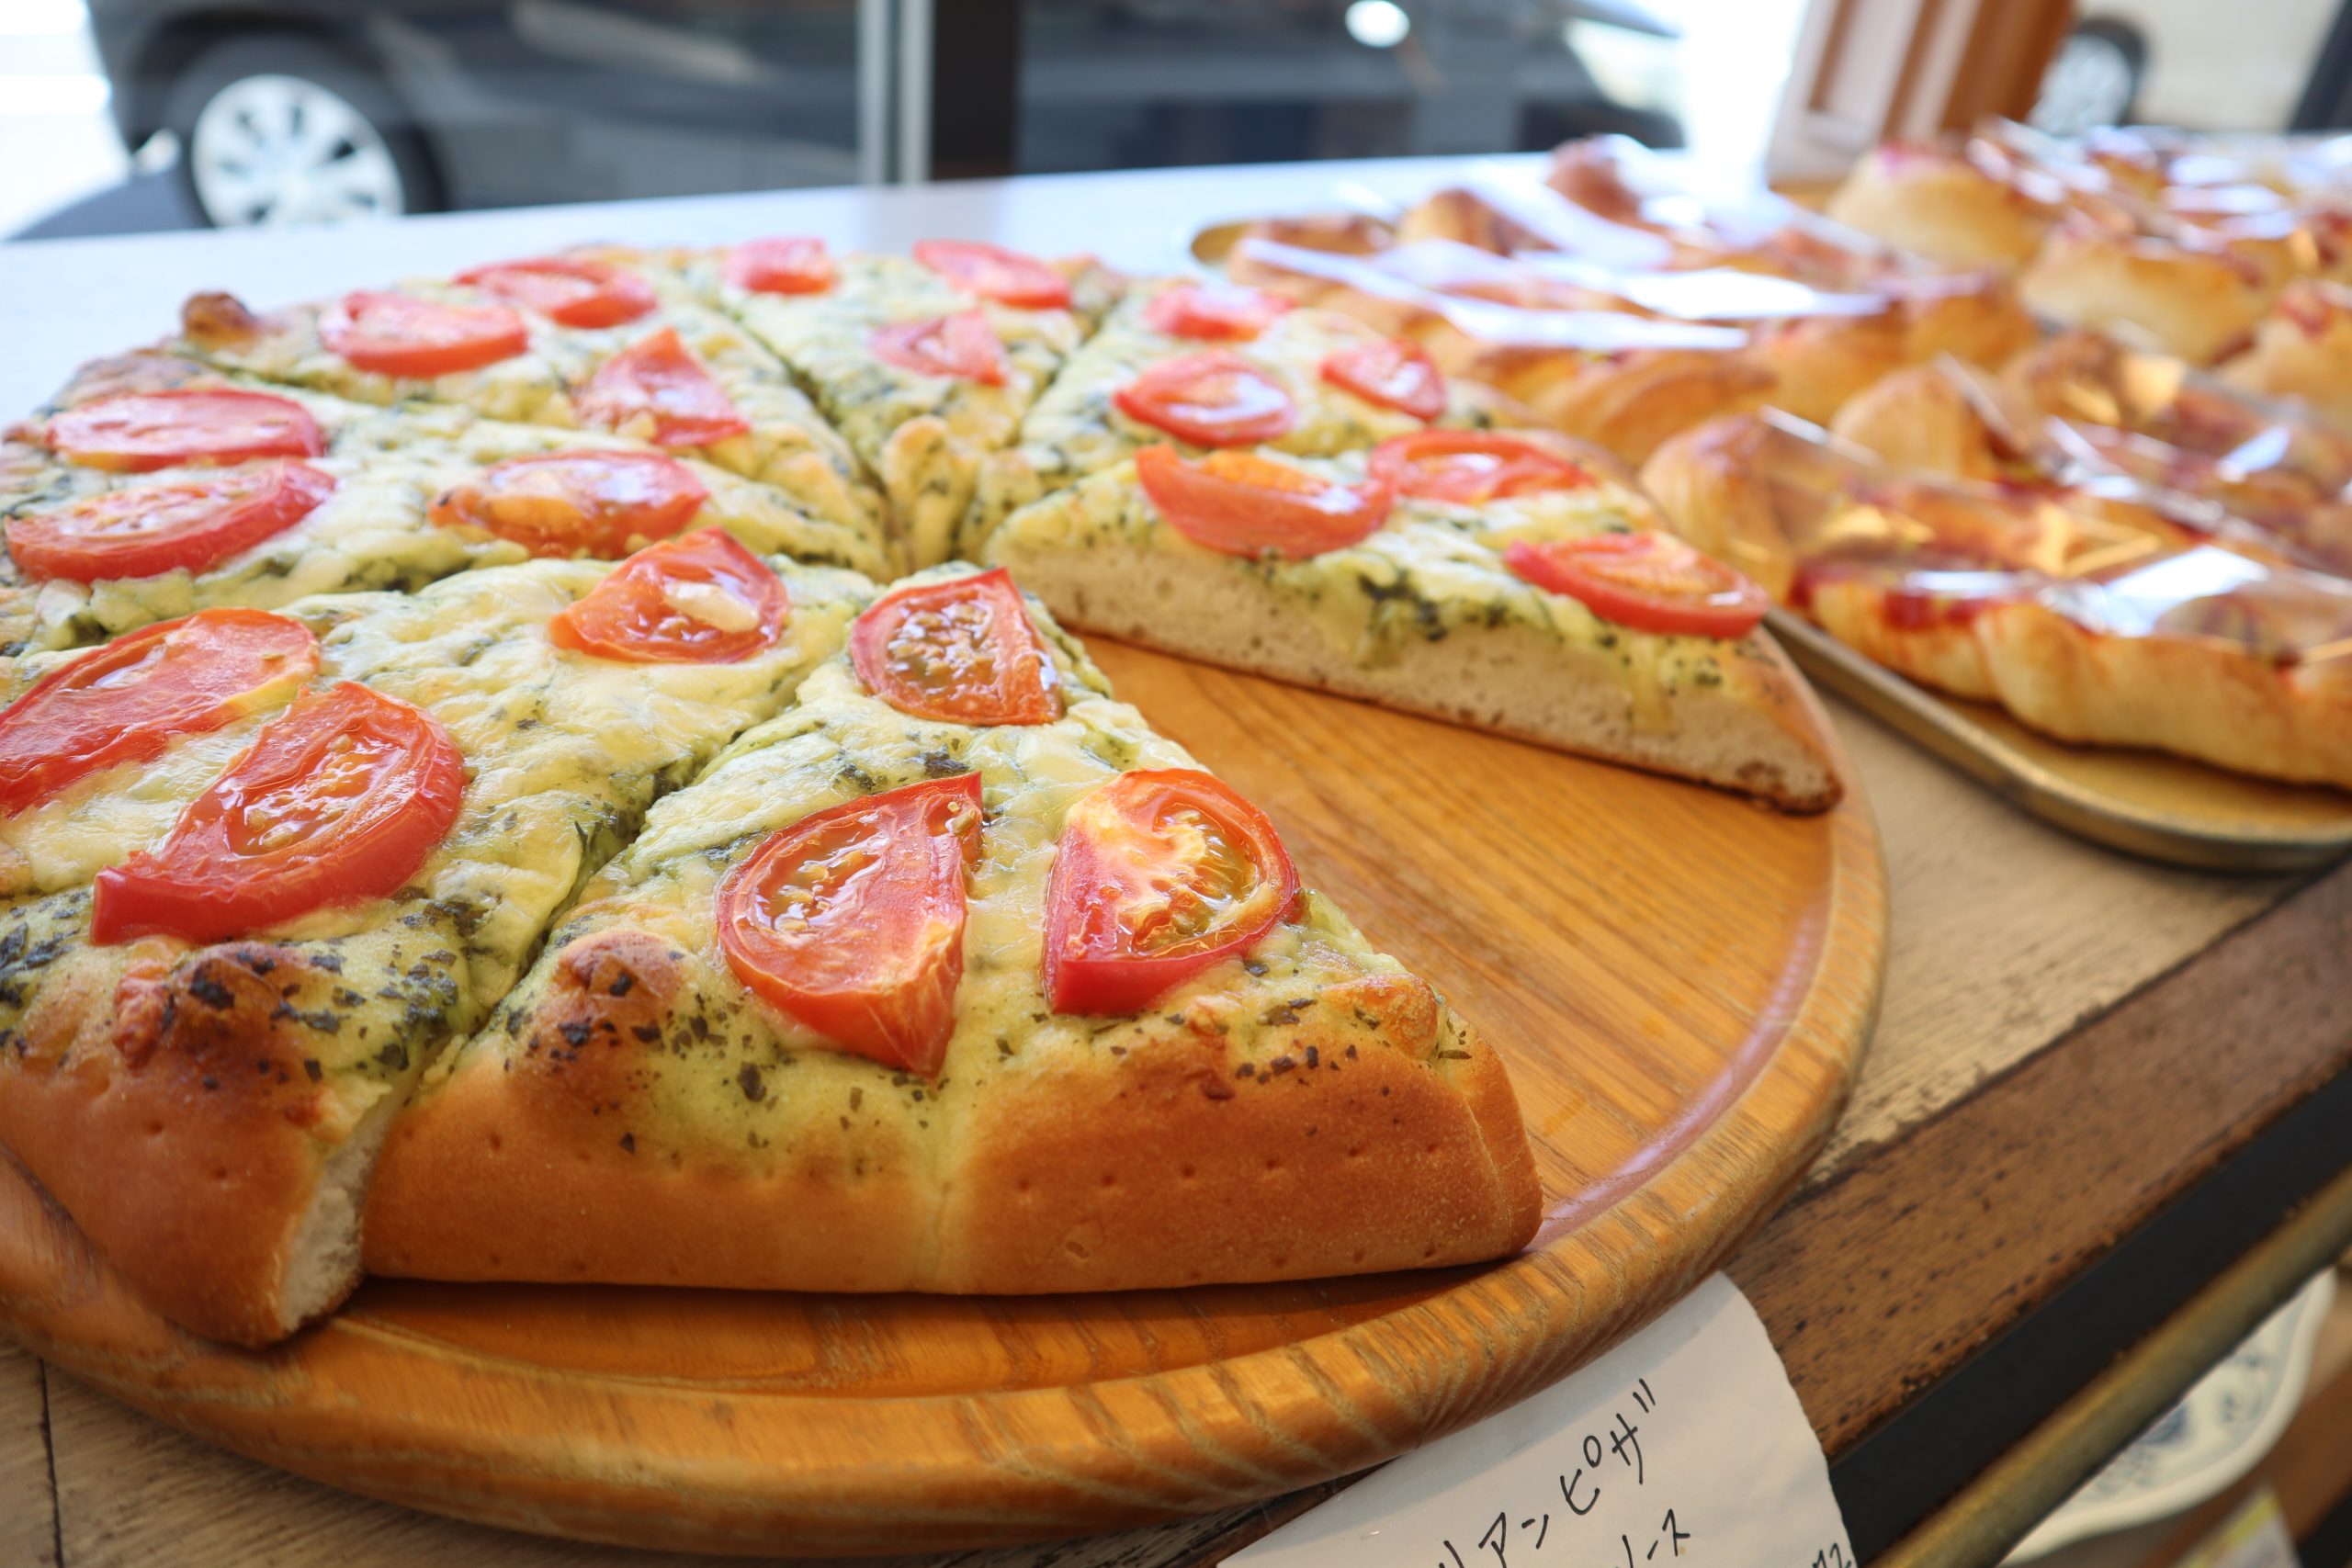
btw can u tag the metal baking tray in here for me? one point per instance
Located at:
(2146, 803)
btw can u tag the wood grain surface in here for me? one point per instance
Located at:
(1679, 981)
(2007, 937)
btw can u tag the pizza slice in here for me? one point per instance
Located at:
(155, 487)
(1492, 578)
(652, 366)
(228, 962)
(1212, 366)
(2082, 627)
(925, 363)
(955, 978)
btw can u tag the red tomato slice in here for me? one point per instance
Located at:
(1647, 581)
(339, 800)
(962, 651)
(1160, 874)
(144, 532)
(656, 388)
(1242, 504)
(1393, 373)
(1213, 398)
(125, 702)
(1473, 466)
(399, 334)
(962, 345)
(137, 433)
(797, 264)
(603, 504)
(852, 919)
(699, 599)
(994, 272)
(576, 292)
(1229, 313)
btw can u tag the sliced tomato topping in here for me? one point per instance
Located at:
(1394, 373)
(1473, 466)
(139, 432)
(399, 334)
(1160, 874)
(699, 599)
(339, 800)
(1242, 504)
(562, 504)
(656, 389)
(962, 345)
(796, 264)
(963, 650)
(1648, 582)
(994, 272)
(125, 702)
(852, 919)
(1214, 399)
(1229, 313)
(193, 525)
(572, 291)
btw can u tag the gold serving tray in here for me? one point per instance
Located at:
(2165, 807)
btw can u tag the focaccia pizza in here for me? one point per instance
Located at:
(267, 864)
(1211, 366)
(625, 357)
(1493, 578)
(125, 506)
(955, 976)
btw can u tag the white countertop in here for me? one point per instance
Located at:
(62, 301)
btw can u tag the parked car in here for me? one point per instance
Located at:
(315, 110)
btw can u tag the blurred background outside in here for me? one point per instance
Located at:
(124, 116)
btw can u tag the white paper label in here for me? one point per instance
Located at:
(1683, 1446)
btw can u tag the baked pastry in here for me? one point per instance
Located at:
(270, 863)
(1065, 1020)
(616, 356)
(2083, 630)
(1495, 577)
(124, 506)
(1942, 206)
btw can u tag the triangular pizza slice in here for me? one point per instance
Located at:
(155, 486)
(1207, 366)
(1500, 578)
(267, 864)
(926, 363)
(630, 360)
(956, 976)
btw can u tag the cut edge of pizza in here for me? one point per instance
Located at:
(956, 976)
(205, 1045)
(1494, 579)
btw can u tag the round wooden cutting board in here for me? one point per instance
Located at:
(1680, 982)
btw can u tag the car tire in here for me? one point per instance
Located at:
(287, 128)
(2093, 80)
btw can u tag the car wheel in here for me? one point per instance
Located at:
(2092, 79)
(279, 128)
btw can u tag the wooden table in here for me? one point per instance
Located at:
(2099, 1133)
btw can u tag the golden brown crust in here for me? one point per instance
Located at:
(192, 1079)
(1395, 1145)
(1817, 363)
(1179, 1166)
(2199, 303)
(2303, 349)
(2187, 695)
(1922, 418)
(1702, 480)
(1941, 206)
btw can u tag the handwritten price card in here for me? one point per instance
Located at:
(1682, 1448)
